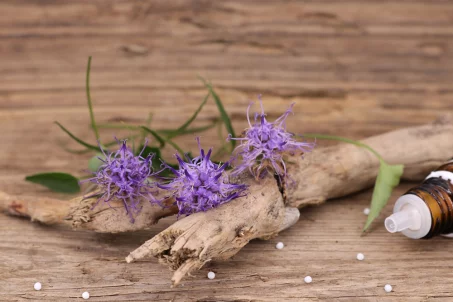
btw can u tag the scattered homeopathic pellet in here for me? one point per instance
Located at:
(366, 211)
(360, 256)
(280, 245)
(37, 286)
(86, 295)
(388, 288)
(211, 275)
(308, 279)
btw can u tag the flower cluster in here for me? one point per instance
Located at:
(200, 184)
(265, 144)
(125, 176)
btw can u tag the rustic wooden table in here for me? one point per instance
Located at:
(354, 68)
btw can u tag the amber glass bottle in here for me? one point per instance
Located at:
(427, 209)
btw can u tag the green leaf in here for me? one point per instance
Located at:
(133, 146)
(149, 119)
(89, 146)
(148, 124)
(162, 140)
(118, 126)
(175, 133)
(221, 151)
(147, 150)
(223, 113)
(90, 105)
(56, 181)
(174, 145)
(171, 133)
(194, 116)
(104, 146)
(388, 178)
(157, 160)
(95, 162)
(156, 136)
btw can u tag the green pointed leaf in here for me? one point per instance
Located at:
(69, 150)
(194, 116)
(171, 133)
(388, 178)
(223, 114)
(174, 145)
(147, 150)
(119, 125)
(56, 181)
(157, 160)
(112, 143)
(90, 104)
(167, 172)
(162, 140)
(175, 133)
(156, 136)
(95, 162)
(89, 146)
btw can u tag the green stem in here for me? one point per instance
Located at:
(345, 140)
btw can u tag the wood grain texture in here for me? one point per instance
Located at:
(355, 68)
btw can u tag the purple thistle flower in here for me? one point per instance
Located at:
(264, 145)
(124, 176)
(200, 184)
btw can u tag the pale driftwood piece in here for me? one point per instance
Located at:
(344, 169)
(219, 233)
(327, 173)
(80, 214)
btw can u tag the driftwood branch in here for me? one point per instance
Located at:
(344, 169)
(219, 233)
(79, 213)
(326, 173)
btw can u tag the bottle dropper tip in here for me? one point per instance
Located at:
(390, 225)
(407, 218)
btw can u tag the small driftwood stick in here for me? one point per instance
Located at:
(325, 173)
(80, 214)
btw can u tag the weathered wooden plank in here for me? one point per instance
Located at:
(354, 68)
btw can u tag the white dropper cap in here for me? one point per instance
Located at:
(411, 216)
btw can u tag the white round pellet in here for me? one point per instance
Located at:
(366, 211)
(308, 279)
(388, 288)
(86, 295)
(280, 245)
(360, 256)
(37, 286)
(211, 275)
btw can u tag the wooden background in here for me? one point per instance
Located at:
(354, 68)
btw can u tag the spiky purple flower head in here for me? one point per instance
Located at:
(200, 184)
(264, 145)
(125, 176)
